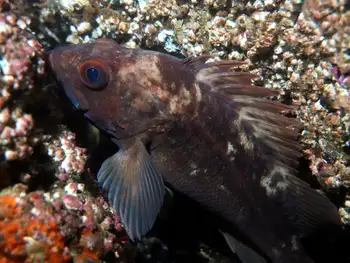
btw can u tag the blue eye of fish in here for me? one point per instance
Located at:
(94, 73)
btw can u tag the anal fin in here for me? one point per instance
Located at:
(245, 253)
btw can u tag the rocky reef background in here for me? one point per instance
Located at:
(51, 209)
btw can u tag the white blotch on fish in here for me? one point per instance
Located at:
(294, 241)
(272, 182)
(194, 170)
(246, 142)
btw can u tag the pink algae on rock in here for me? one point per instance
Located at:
(66, 154)
(20, 54)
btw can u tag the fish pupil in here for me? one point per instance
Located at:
(92, 74)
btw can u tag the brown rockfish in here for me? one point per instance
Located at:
(203, 129)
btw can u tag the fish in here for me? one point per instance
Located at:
(203, 128)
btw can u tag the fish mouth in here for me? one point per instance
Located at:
(54, 57)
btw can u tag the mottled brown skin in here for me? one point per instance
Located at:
(225, 147)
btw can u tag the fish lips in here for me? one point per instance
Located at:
(75, 96)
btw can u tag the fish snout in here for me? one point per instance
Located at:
(59, 64)
(58, 56)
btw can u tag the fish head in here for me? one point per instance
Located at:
(111, 84)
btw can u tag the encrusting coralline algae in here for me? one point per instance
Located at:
(298, 47)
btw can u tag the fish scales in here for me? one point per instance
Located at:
(204, 130)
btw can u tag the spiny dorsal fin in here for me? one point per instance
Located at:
(259, 115)
(275, 135)
(220, 76)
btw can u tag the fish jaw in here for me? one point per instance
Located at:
(58, 60)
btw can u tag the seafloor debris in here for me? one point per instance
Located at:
(300, 48)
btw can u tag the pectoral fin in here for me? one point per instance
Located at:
(134, 187)
(246, 254)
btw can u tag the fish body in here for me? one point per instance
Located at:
(205, 131)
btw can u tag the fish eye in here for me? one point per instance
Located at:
(93, 73)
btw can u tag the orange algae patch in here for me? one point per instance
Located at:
(8, 206)
(85, 256)
(91, 247)
(25, 238)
